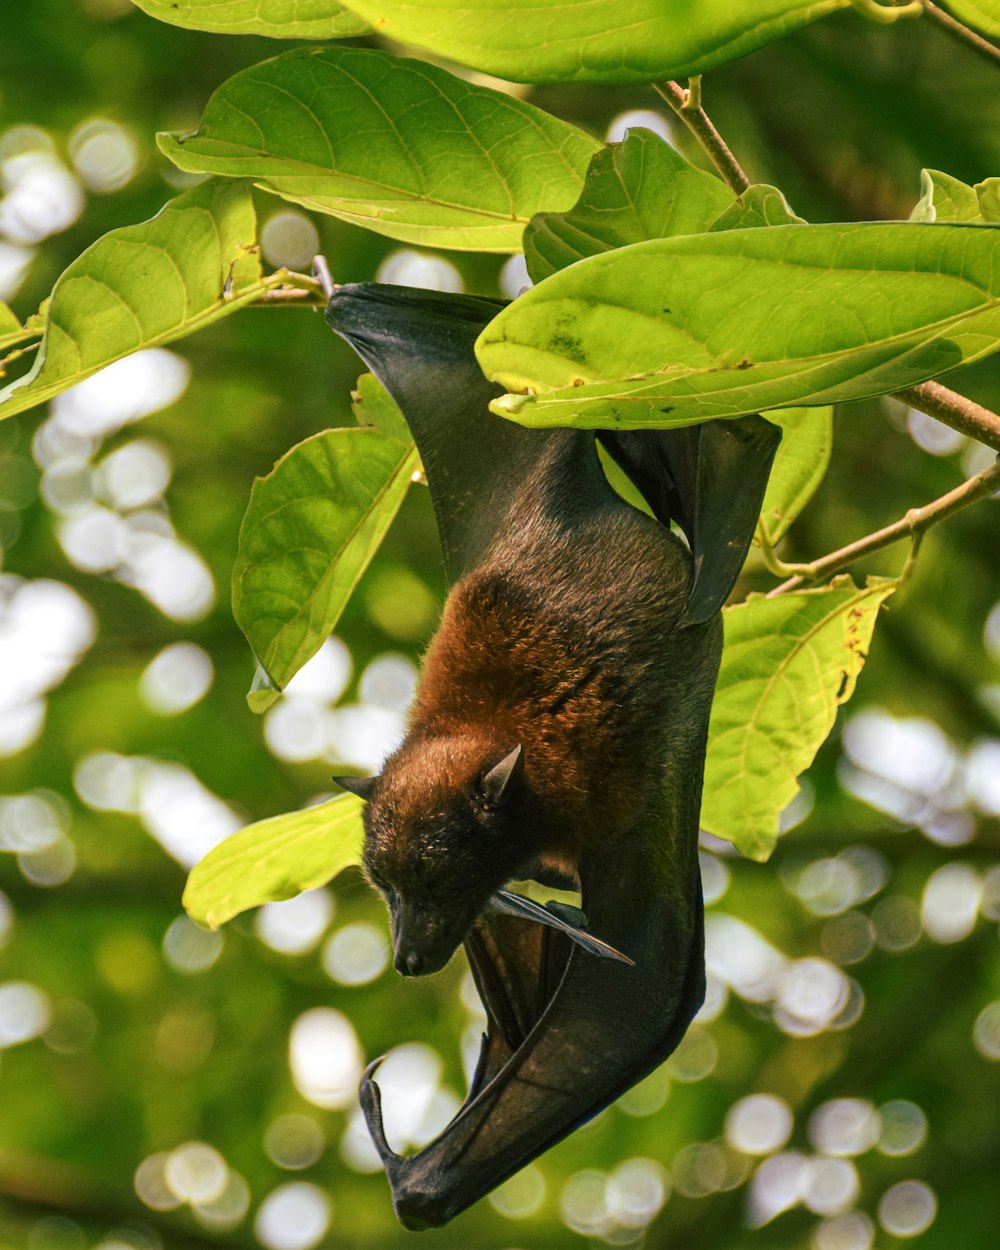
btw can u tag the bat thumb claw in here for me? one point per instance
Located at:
(370, 1097)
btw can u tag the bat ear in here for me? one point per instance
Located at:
(495, 782)
(361, 786)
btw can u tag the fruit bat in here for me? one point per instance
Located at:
(558, 734)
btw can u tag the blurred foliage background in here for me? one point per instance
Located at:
(165, 1087)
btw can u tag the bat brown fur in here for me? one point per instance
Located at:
(567, 640)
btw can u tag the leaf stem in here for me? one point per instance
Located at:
(698, 122)
(961, 413)
(958, 30)
(886, 12)
(913, 525)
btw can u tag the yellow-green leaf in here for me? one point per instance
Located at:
(143, 285)
(310, 531)
(277, 19)
(787, 665)
(685, 329)
(801, 461)
(596, 41)
(983, 14)
(275, 859)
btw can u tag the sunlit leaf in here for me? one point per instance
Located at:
(11, 330)
(275, 859)
(599, 41)
(374, 407)
(944, 198)
(788, 663)
(733, 322)
(310, 530)
(758, 205)
(638, 189)
(138, 286)
(280, 19)
(400, 147)
(801, 461)
(983, 14)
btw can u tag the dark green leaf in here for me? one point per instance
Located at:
(397, 146)
(638, 189)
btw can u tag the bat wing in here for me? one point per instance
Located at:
(419, 346)
(710, 479)
(567, 1034)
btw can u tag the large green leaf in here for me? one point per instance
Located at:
(787, 665)
(310, 530)
(680, 330)
(590, 40)
(799, 466)
(139, 286)
(275, 859)
(944, 198)
(638, 189)
(983, 14)
(279, 19)
(400, 147)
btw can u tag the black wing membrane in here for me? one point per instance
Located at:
(567, 1031)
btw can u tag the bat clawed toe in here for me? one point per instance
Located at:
(370, 1097)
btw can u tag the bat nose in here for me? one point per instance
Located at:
(409, 963)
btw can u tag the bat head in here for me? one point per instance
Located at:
(443, 830)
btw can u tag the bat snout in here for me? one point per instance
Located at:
(422, 946)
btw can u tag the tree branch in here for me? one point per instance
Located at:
(956, 410)
(958, 30)
(698, 122)
(913, 526)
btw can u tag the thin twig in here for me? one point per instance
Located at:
(956, 410)
(913, 526)
(958, 30)
(700, 125)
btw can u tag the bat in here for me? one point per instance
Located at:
(558, 734)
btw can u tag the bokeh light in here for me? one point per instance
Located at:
(295, 1216)
(289, 240)
(189, 948)
(986, 1032)
(845, 1127)
(24, 1013)
(521, 1196)
(105, 154)
(325, 1058)
(907, 1209)
(759, 1124)
(406, 267)
(176, 678)
(356, 954)
(904, 1127)
(644, 119)
(294, 1141)
(296, 925)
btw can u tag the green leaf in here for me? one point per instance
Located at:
(275, 859)
(787, 665)
(11, 330)
(279, 19)
(375, 408)
(139, 286)
(310, 530)
(983, 14)
(799, 466)
(758, 205)
(600, 41)
(681, 330)
(944, 198)
(635, 190)
(397, 146)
